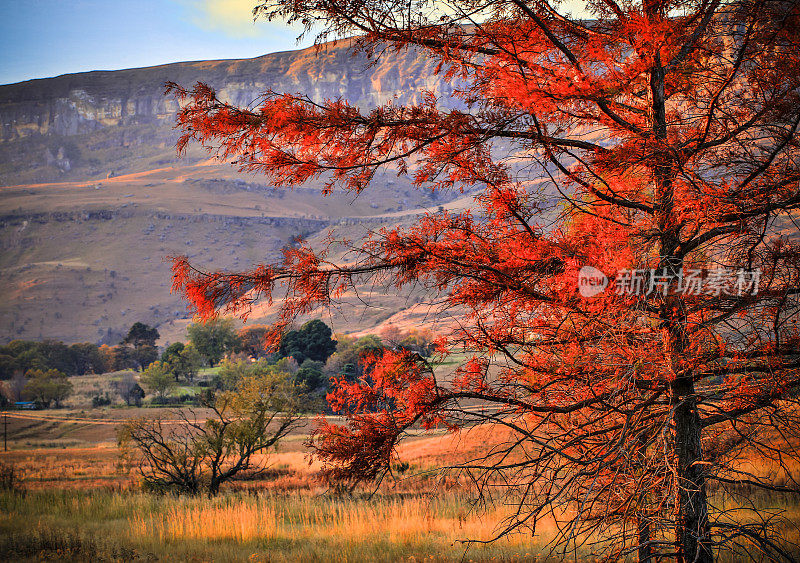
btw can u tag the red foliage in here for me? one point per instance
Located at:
(665, 145)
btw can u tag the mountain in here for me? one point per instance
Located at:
(82, 126)
(93, 197)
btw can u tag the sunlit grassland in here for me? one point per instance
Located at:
(103, 467)
(263, 527)
(86, 504)
(289, 526)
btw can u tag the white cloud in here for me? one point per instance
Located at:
(232, 17)
(235, 17)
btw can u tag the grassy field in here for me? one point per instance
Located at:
(289, 523)
(241, 527)
(86, 503)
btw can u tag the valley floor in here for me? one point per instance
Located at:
(86, 503)
(78, 500)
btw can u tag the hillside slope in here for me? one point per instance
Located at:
(87, 125)
(93, 198)
(82, 261)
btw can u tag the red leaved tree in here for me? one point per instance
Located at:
(656, 144)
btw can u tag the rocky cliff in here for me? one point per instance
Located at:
(81, 103)
(93, 198)
(82, 114)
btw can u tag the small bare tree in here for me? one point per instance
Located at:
(15, 387)
(192, 455)
(129, 390)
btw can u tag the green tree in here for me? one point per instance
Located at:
(310, 375)
(191, 360)
(184, 361)
(142, 356)
(312, 342)
(232, 372)
(141, 334)
(47, 387)
(142, 339)
(31, 358)
(350, 352)
(56, 355)
(76, 359)
(86, 358)
(202, 455)
(158, 379)
(8, 366)
(214, 338)
(172, 350)
(124, 357)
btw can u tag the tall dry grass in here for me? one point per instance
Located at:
(446, 518)
(102, 525)
(286, 517)
(268, 527)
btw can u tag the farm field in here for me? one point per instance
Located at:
(85, 503)
(78, 499)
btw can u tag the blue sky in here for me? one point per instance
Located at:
(43, 38)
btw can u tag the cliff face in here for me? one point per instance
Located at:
(76, 104)
(93, 197)
(94, 124)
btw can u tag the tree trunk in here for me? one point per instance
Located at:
(643, 524)
(692, 538)
(645, 549)
(692, 535)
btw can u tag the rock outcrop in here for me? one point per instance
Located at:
(94, 198)
(75, 104)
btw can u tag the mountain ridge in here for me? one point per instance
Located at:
(93, 197)
(110, 97)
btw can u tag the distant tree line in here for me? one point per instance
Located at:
(45, 388)
(309, 355)
(138, 349)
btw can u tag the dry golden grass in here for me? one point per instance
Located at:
(397, 520)
(78, 495)
(73, 468)
(237, 527)
(101, 466)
